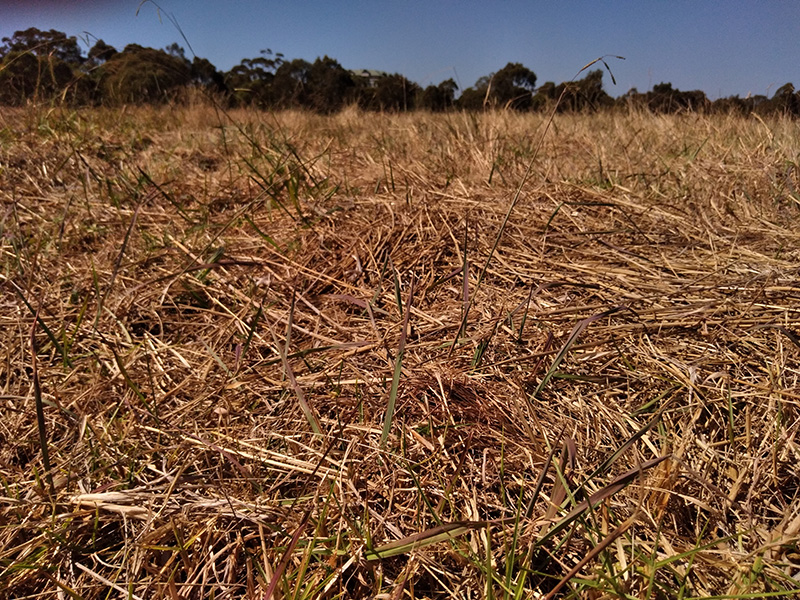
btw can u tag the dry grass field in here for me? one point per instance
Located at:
(253, 355)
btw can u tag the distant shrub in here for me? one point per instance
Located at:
(139, 74)
(438, 98)
(37, 65)
(392, 93)
(586, 94)
(785, 101)
(510, 87)
(663, 98)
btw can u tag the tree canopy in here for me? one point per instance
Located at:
(50, 66)
(37, 65)
(512, 87)
(139, 74)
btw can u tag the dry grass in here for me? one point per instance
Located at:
(212, 289)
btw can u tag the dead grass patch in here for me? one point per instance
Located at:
(201, 291)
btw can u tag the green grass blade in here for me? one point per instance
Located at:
(398, 368)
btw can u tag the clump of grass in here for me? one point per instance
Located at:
(271, 355)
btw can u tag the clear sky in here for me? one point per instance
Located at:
(723, 47)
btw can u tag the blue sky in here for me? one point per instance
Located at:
(723, 47)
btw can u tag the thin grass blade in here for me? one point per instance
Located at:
(608, 491)
(40, 422)
(398, 367)
(571, 340)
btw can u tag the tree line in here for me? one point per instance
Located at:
(51, 66)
